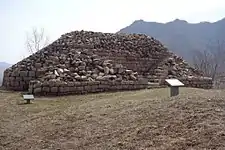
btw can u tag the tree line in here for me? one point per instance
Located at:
(211, 60)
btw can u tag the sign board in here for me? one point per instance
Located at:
(26, 97)
(174, 82)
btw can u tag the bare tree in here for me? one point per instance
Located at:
(211, 61)
(36, 40)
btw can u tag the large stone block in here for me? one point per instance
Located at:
(66, 89)
(37, 90)
(38, 65)
(23, 73)
(54, 89)
(87, 88)
(119, 87)
(12, 78)
(37, 85)
(16, 83)
(18, 78)
(71, 84)
(80, 88)
(103, 86)
(31, 73)
(84, 83)
(61, 89)
(18, 88)
(22, 83)
(125, 86)
(27, 78)
(113, 88)
(77, 83)
(15, 73)
(31, 90)
(72, 89)
(46, 89)
(6, 74)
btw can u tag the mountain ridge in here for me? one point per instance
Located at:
(180, 20)
(180, 36)
(3, 66)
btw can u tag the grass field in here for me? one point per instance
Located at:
(146, 119)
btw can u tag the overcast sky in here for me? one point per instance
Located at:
(59, 16)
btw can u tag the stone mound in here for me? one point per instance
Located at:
(82, 62)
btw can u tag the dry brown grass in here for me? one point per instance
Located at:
(145, 119)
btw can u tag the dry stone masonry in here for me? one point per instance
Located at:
(85, 62)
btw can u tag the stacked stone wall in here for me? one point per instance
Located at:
(138, 63)
(84, 62)
(18, 80)
(205, 83)
(84, 87)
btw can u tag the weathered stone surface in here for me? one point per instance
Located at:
(54, 89)
(31, 90)
(106, 70)
(14, 74)
(61, 89)
(78, 59)
(133, 77)
(37, 90)
(23, 73)
(38, 65)
(31, 73)
(37, 85)
(46, 89)
(27, 78)
(71, 84)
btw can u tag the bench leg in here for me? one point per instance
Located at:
(28, 101)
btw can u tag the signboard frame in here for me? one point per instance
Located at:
(174, 86)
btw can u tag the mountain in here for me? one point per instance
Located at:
(3, 66)
(180, 36)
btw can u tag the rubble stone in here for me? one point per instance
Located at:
(83, 61)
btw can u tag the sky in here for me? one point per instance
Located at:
(18, 17)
